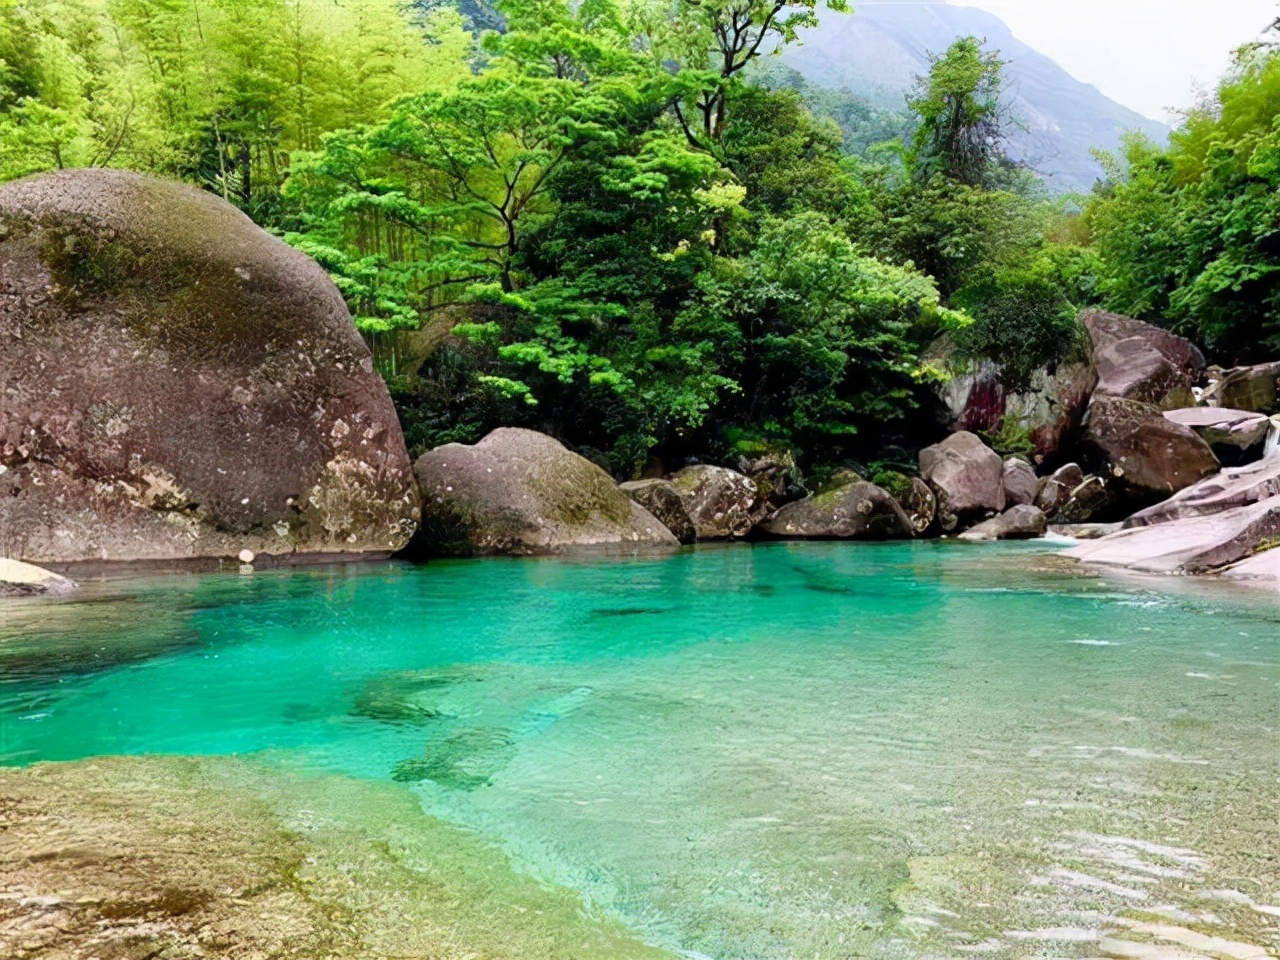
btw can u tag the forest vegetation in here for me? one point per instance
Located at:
(622, 223)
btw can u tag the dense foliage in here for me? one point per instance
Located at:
(623, 225)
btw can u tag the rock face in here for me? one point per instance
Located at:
(1021, 522)
(178, 383)
(519, 492)
(967, 477)
(722, 503)
(18, 579)
(1233, 487)
(1088, 499)
(1234, 436)
(1145, 454)
(660, 499)
(1137, 361)
(1020, 482)
(854, 511)
(1050, 410)
(1251, 388)
(1196, 545)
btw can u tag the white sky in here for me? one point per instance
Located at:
(1146, 54)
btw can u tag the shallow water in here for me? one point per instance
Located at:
(778, 751)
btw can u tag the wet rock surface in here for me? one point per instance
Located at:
(854, 511)
(519, 492)
(179, 383)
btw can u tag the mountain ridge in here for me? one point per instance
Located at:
(877, 52)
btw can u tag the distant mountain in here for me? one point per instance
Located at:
(878, 52)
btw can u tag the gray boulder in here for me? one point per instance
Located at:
(660, 499)
(722, 503)
(1137, 361)
(1020, 482)
(1020, 522)
(1233, 487)
(1235, 436)
(1145, 454)
(1194, 545)
(854, 511)
(967, 478)
(179, 383)
(519, 492)
(1254, 388)
(18, 579)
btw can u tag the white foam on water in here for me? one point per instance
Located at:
(1095, 643)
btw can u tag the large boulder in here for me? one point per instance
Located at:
(1137, 361)
(659, 497)
(179, 383)
(1145, 455)
(853, 511)
(1020, 522)
(1254, 388)
(1234, 436)
(1233, 487)
(967, 477)
(1020, 482)
(519, 492)
(1083, 503)
(919, 504)
(722, 503)
(1195, 545)
(18, 579)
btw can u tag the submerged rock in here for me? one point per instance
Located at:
(967, 477)
(465, 759)
(18, 579)
(1020, 522)
(659, 497)
(1137, 361)
(721, 503)
(855, 511)
(1145, 454)
(520, 492)
(179, 383)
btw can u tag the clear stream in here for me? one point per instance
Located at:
(790, 750)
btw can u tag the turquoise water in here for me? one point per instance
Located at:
(818, 750)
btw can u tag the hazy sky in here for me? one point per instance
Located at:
(1147, 54)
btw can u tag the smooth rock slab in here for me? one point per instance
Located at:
(519, 492)
(1234, 435)
(1196, 545)
(1233, 487)
(1264, 566)
(18, 579)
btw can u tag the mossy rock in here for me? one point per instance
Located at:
(178, 383)
(520, 492)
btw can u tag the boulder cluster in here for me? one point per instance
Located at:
(179, 384)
